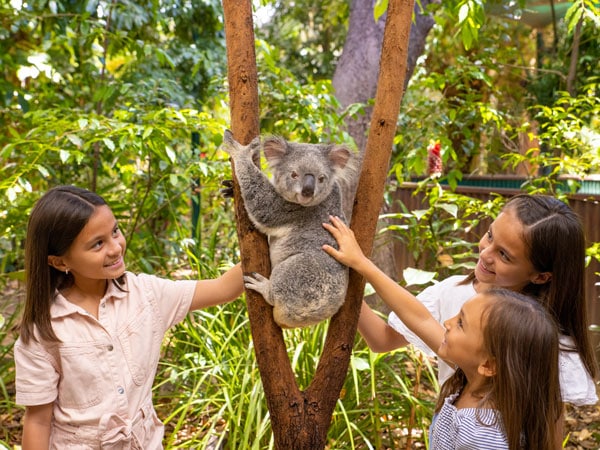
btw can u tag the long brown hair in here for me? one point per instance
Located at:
(522, 338)
(54, 223)
(555, 242)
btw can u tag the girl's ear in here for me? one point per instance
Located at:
(57, 262)
(541, 278)
(487, 368)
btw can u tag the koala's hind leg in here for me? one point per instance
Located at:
(260, 284)
(263, 286)
(306, 289)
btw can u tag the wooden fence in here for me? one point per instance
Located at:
(587, 206)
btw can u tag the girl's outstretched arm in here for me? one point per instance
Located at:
(36, 427)
(223, 289)
(406, 306)
(377, 333)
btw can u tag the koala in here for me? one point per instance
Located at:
(306, 285)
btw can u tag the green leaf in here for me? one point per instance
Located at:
(11, 193)
(13, 132)
(171, 154)
(420, 213)
(360, 363)
(42, 170)
(147, 132)
(75, 140)
(450, 208)
(463, 13)
(417, 277)
(467, 37)
(64, 155)
(109, 143)
(379, 9)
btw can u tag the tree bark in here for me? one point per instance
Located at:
(355, 81)
(300, 420)
(274, 366)
(356, 74)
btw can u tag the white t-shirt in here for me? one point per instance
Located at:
(444, 300)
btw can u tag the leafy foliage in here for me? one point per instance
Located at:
(441, 236)
(130, 99)
(308, 36)
(493, 113)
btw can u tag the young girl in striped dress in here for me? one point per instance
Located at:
(505, 392)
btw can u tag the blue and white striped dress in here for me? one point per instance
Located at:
(466, 429)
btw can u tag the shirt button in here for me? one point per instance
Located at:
(110, 347)
(120, 390)
(103, 305)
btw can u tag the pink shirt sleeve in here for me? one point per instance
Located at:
(173, 297)
(37, 374)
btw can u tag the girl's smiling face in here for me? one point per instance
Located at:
(503, 256)
(463, 340)
(97, 252)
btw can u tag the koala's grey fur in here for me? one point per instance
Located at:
(306, 285)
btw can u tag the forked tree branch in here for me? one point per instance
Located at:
(300, 420)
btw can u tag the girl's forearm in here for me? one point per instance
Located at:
(36, 427)
(216, 291)
(379, 336)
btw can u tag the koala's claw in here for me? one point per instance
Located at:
(227, 189)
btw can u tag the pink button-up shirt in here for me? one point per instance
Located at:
(100, 376)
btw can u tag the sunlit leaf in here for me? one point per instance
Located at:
(414, 276)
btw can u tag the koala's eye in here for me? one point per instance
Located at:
(295, 175)
(321, 178)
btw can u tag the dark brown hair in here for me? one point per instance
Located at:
(522, 338)
(55, 221)
(555, 242)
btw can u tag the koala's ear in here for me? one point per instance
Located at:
(339, 156)
(274, 148)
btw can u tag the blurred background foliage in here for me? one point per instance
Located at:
(130, 99)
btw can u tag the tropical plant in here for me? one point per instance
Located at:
(130, 99)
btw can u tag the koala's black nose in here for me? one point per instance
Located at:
(308, 185)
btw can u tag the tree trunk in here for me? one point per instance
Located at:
(300, 420)
(572, 75)
(356, 74)
(355, 81)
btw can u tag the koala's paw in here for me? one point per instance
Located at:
(260, 284)
(237, 150)
(230, 145)
(227, 189)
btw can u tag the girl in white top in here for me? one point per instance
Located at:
(505, 392)
(91, 332)
(535, 246)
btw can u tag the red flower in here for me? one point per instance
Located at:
(434, 159)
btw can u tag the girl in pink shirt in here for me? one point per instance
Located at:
(91, 332)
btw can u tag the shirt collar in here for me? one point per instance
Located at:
(61, 307)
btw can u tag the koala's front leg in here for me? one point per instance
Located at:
(260, 197)
(260, 284)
